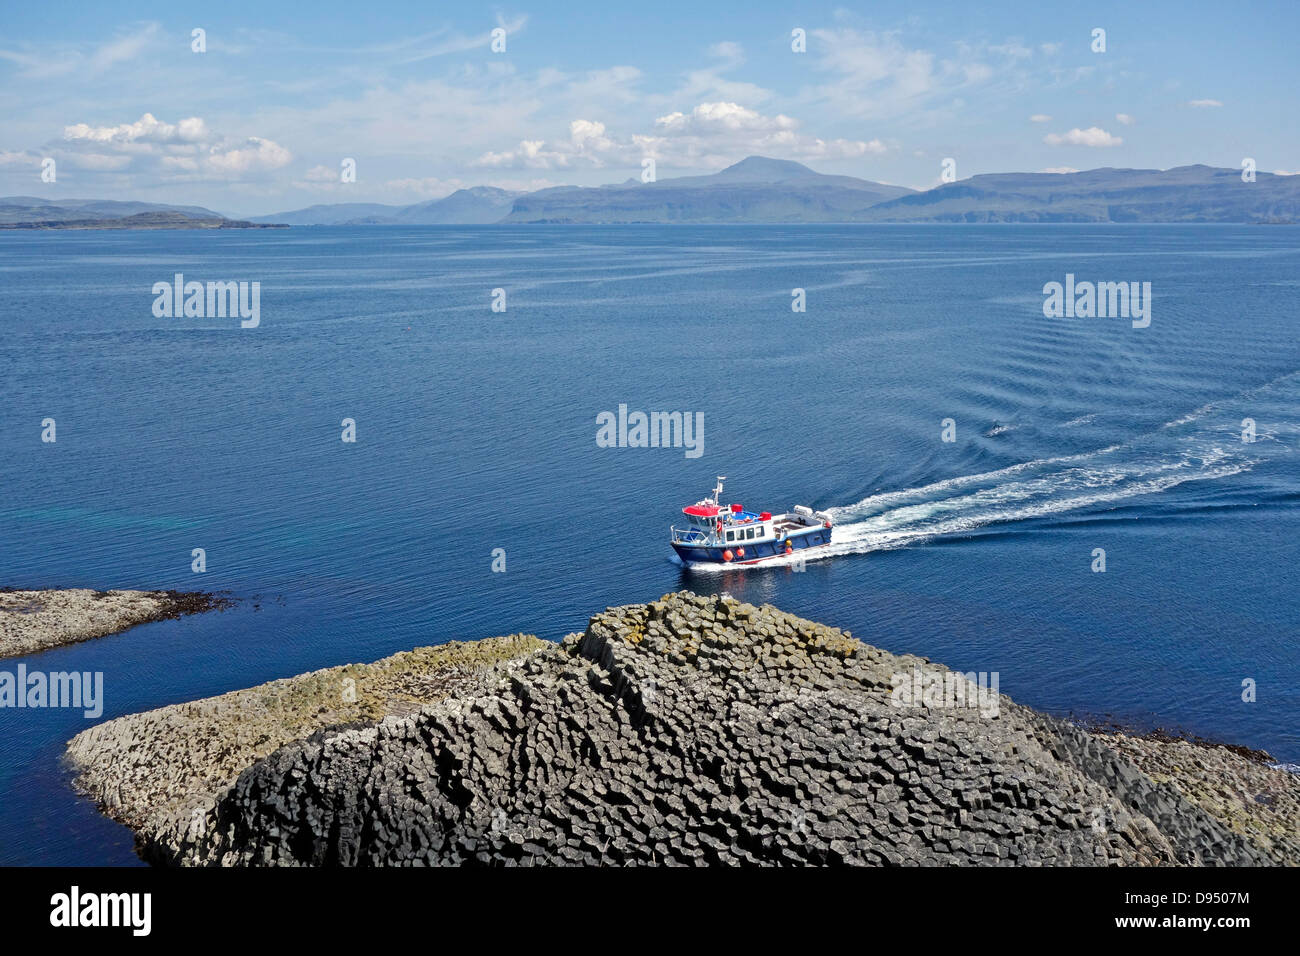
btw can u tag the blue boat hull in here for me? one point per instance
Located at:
(755, 551)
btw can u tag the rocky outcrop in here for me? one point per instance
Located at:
(691, 730)
(163, 772)
(1242, 789)
(32, 621)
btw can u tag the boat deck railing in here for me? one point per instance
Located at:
(689, 536)
(783, 525)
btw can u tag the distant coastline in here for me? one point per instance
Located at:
(144, 221)
(759, 191)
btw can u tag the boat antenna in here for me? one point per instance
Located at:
(717, 492)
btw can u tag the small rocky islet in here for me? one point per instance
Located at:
(37, 620)
(691, 730)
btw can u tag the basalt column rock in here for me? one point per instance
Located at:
(699, 730)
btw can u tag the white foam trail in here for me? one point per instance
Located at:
(1034, 489)
(1149, 464)
(1001, 505)
(880, 501)
(1048, 494)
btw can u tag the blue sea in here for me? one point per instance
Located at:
(475, 431)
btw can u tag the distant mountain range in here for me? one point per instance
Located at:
(1183, 194)
(759, 189)
(754, 190)
(476, 206)
(762, 190)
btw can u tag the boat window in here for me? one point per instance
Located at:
(731, 536)
(749, 532)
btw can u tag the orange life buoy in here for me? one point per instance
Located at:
(740, 552)
(727, 555)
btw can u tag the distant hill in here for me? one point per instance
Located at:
(160, 219)
(1183, 194)
(756, 189)
(480, 204)
(32, 209)
(332, 214)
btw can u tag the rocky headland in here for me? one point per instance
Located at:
(144, 220)
(32, 621)
(690, 730)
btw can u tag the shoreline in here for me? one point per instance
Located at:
(37, 620)
(687, 730)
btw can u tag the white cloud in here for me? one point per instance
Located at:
(710, 83)
(66, 61)
(121, 49)
(1059, 169)
(875, 74)
(254, 153)
(587, 144)
(1125, 119)
(429, 187)
(101, 162)
(1013, 49)
(1283, 172)
(444, 42)
(728, 50)
(146, 129)
(711, 135)
(1092, 136)
(723, 117)
(839, 148)
(186, 148)
(18, 158)
(432, 187)
(1204, 104)
(1040, 118)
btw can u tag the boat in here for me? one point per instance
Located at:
(718, 534)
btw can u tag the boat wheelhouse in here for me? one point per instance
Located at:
(718, 534)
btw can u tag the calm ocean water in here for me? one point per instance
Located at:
(476, 430)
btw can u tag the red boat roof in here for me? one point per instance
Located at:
(701, 511)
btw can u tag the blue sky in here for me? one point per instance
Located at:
(262, 120)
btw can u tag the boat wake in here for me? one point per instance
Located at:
(1204, 445)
